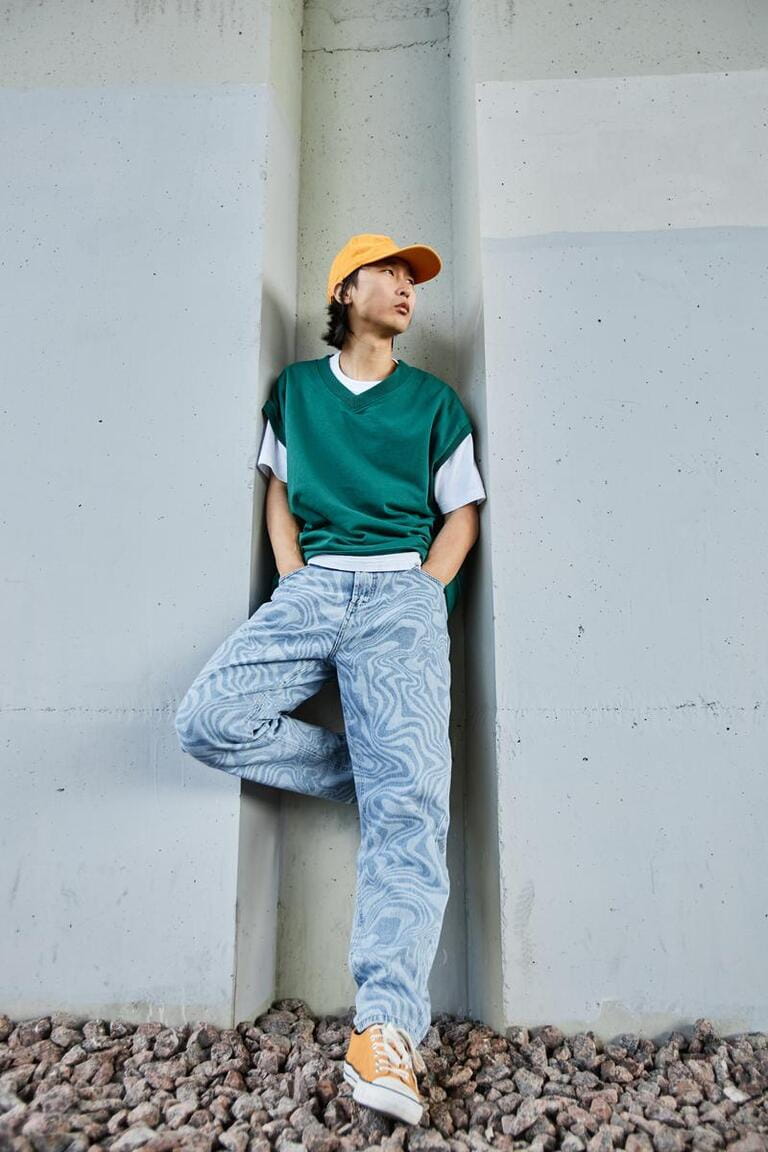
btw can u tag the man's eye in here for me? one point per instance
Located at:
(409, 278)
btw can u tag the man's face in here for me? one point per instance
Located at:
(384, 298)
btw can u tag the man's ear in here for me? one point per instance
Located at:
(337, 293)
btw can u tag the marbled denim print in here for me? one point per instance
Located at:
(385, 636)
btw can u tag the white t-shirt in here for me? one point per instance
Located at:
(457, 482)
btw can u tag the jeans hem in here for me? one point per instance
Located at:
(369, 1018)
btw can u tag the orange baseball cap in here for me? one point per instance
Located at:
(368, 247)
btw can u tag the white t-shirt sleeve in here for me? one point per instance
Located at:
(458, 480)
(273, 456)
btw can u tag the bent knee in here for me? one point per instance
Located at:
(197, 727)
(216, 726)
(187, 729)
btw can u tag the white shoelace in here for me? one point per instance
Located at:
(394, 1047)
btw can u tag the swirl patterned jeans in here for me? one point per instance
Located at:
(385, 636)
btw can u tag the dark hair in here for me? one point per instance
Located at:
(337, 330)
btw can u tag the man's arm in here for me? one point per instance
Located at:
(282, 528)
(452, 543)
(446, 555)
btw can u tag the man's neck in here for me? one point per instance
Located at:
(367, 360)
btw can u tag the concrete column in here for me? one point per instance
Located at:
(376, 157)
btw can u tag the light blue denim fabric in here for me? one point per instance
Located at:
(385, 636)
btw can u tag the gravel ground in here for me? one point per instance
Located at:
(67, 1084)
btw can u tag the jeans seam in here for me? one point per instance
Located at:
(434, 579)
(295, 741)
(289, 738)
(340, 633)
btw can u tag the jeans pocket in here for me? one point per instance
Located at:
(438, 584)
(295, 572)
(434, 579)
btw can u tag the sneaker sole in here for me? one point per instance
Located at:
(383, 1099)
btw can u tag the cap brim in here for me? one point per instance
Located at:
(424, 261)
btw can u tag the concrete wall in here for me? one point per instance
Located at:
(624, 248)
(144, 150)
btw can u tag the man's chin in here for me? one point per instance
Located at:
(403, 324)
(389, 330)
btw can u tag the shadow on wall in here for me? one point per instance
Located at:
(275, 340)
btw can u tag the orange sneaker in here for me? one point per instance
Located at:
(381, 1065)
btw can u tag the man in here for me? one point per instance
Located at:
(363, 454)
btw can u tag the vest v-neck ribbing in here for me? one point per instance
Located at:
(358, 401)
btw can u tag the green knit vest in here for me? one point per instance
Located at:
(361, 468)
